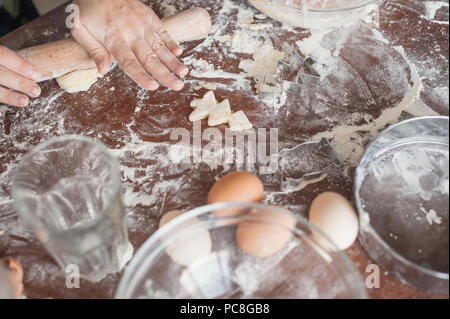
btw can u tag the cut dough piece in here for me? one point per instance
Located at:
(78, 81)
(206, 85)
(239, 122)
(202, 107)
(207, 106)
(218, 113)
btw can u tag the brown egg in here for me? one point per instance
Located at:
(236, 187)
(266, 237)
(16, 272)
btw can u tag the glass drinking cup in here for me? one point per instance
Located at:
(68, 191)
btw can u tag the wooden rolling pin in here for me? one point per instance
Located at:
(58, 58)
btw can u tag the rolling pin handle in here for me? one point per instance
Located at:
(55, 59)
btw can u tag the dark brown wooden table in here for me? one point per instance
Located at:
(136, 126)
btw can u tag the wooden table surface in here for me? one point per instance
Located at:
(136, 125)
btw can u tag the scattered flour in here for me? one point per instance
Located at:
(246, 16)
(248, 274)
(203, 69)
(249, 42)
(248, 38)
(432, 7)
(346, 139)
(431, 216)
(168, 8)
(243, 41)
(264, 61)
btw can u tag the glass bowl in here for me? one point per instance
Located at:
(300, 269)
(401, 192)
(317, 14)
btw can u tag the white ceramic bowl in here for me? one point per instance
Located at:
(317, 14)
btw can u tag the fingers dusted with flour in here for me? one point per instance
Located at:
(153, 65)
(130, 64)
(16, 79)
(96, 50)
(161, 42)
(133, 34)
(12, 98)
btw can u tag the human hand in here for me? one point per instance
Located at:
(132, 33)
(16, 77)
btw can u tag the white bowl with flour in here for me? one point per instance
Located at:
(317, 14)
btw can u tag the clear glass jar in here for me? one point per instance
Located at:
(68, 191)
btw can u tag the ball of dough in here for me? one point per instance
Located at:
(78, 81)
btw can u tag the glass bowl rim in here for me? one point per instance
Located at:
(357, 187)
(145, 255)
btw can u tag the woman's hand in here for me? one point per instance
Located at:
(16, 77)
(132, 33)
